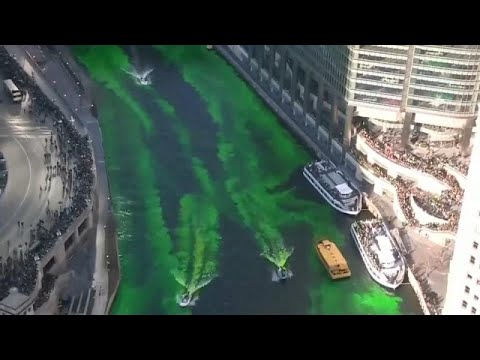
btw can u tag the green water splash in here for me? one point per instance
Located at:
(119, 113)
(105, 64)
(198, 232)
(245, 183)
(199, 243)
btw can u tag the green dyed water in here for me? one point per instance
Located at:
(206, 184)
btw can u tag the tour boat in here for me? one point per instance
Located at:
(334, 186)
(379, 252)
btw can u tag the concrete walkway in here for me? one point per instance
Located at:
(55, 82)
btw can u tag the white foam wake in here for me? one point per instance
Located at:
(141, 78)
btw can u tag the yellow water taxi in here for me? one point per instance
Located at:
(333, 260)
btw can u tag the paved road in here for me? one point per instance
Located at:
(22, 140)
(59, 86)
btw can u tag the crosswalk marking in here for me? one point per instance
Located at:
(22, 136)
(18, 130)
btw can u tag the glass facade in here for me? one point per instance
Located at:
(442, 78)
(445, 79)
(329, 60)
(377, 73)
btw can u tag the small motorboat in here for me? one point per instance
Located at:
(186, 299)
(282, 273)
(143, 80)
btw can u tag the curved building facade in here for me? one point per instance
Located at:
(432, 88)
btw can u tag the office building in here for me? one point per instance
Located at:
(433, 89)
(429, 88)
(463, 290)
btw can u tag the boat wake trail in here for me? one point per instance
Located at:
(141, 77)
(185, 300)
(198, 244)
(247, 179)
(257, 215)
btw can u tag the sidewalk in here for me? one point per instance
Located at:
(109, 247)
(54, 82)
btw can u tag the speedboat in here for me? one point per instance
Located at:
(186, 299)
(282, 273)
(143, 80)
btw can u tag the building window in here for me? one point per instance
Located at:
(475, 297)
(467, 289)
(475, 245)
(478, 281)
(472, 260)
(469, 277)
(464, 304)
(474, 310)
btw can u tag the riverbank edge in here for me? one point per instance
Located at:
(70, 63)
(292, 126)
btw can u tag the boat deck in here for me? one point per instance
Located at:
(379, 252)
(333, 260)
(335, 185)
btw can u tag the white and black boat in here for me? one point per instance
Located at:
(282, 273)
(379, 252)
(334, 186)
(186, 299)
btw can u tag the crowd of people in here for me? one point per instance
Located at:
(456, 163)
(433, 205)
(447, 206)
(48, 283)
(74, 166)
(432, 299)
(20, 273)
(365, 233)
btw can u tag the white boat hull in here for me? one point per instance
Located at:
(185, 300)
(328, 199)
(374, 273)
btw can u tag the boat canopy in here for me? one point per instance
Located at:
(344, 189)
(385, 250)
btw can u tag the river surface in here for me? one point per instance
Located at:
(209, 195)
